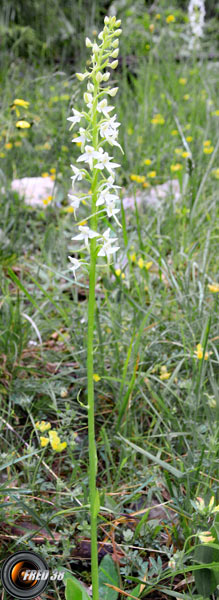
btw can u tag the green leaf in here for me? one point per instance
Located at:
(155, 459)
(74, 588)
(108, 574)
(206, 580)
(72, 591)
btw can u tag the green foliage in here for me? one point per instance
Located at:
(108, 574)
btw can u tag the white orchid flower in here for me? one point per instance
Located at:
(103, 107)
(76, 119)
(85, 235)
(75, 264)
(104, 162)
(78, 174)
(88, 156)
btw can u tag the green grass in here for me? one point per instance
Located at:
(156, 438)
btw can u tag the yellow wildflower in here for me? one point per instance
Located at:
(8, 146)
(147, 46)
(53, 177)
(47, 200)
(186, 97)
(123, 275)
(151, 27)
(18, 143)
(189, 138)
(182, 81)
(215, 172)
(214, 287)
(53, 170)
(208, 149)
(130, 131)
(158, 119)
(207, 143)
(20, 102)
(148, 264)
(152, 174)
(174, 132)
(185, 154)
(164, 373)
(69, 209)
(170, 19)
(157, 16)
(2, 155)
(178, 150)
(45, 174)
(205, 537)
(199, 352)
(215, 113)
(188, 126)
(44, 441)
(147, 161)
(118, 272)
(133, 257)
(43, 426)
(140, 263)
(22, 124)
(96, 377)
(47, 146)
(64, 148)
(176, 167)
(146, 184)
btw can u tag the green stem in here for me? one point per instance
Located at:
(90, 381)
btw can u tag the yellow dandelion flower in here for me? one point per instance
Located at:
(185, 154)
(53, 177)
(146, 184)
(45, 174)
(140, 263)
(133, 257)
(2, 155)
(215, 113)
(186, 96)
(83, 222)
(123, 275)
(207, 143)
(205, 537)
(157, 16)
(170, 19)
(189, 138)
(182, 81)
(147, 161)
(152, 174)
(96, 377)
(174, 132)
(22, 124)
(53, 170)
(208, 149)
(133, 177)
(176, 167)
(164, 374)
(20, 102)
(44, 441)
(8, 146)
(214, 287)
(118, 272)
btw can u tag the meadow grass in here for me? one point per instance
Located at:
(156, 394)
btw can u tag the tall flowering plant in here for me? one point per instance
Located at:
(196, 14)
(99, 128)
